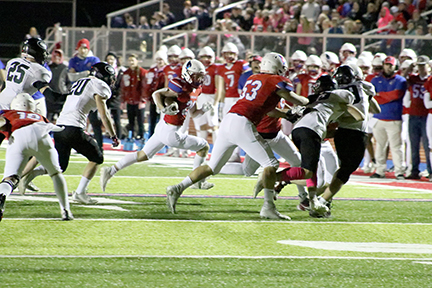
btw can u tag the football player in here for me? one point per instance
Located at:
(327, 105)
(87, 94)
(350, 136)
(28, 134)
(298, 60)
(168, 131)
(260, 95)
(347, 53)
(173, 69)
(303, 83)
(330, 61)
(208, 95)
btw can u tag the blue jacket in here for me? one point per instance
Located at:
(390, 92)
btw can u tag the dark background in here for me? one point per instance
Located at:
(17, 18)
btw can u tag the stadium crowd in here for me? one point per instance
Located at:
(389, 90)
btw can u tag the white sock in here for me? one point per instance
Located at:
(84, 182)
(198, 160)
(61, 191)
(268, 195)
(113, 170)
(186, 183)
(367, 159)
(202, 134)
(5, 189)
(232, 168)
(127, 160)
(40, 170)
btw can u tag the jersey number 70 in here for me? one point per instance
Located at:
(250, 90)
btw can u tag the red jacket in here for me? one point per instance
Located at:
(133, 86)
(155, 79)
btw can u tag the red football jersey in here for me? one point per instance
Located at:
(417, 90)
(209, 86)
(17, 119)
(270, 124)
(172, 71)
(307, 82)
(428, 88)
(259, 96)
(184, 90)
(231, 74)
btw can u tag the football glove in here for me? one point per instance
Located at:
(206, 107)
(115, 140)
(171, 109)
(294, 114)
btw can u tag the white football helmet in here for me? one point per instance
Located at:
(407, 54)
(186, 53)
(274, 63)
(364, 64)
(328, 59)
(207, 52)
(23, 102)
(367, 54)
(406, 64)
(193, 72)
(174, 51)
(378, 59)
(299, 56)
(347, 47)
(311, 61)
(233, 50)
(161, 55)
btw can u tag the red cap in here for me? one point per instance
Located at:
(256, 58)
(83, 42)
(390, 60)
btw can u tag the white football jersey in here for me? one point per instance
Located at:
(20, 76)
(327, 109)
(81, 101)
(362, 91)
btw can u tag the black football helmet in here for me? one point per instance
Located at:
(324, 83)
(344, 75)
(37, 48)
(104, 72)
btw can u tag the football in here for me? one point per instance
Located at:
(168, 101)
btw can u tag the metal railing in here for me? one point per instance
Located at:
(125, 41)
(131, 9)
(181, 23)
(227, 7)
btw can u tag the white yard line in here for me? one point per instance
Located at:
(220, 257)
(222, 221)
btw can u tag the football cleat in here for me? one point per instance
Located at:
(303, 205)
(105, 176)
(25, 183)
(268, 211)
(67, 215)
(319, 205)
(83, 198)
(258, 185)
(203, 185)
(315, 214)
(32, 187)
(173, 194)
(2, 205)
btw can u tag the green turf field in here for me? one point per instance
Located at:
(130, 239)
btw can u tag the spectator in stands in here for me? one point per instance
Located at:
(159, 20)
(418, 115)
(310, 10)
(410, 28)
(370, 18)
(390, 89)
(355, 13)
(169, 16)
(278, 20)
(409, 7)
(2, 75)
(325, 15)
(305, 26)
(59, 83)
(249, 17)
(187, 9)
(429, 29)
(346, 8)
(114, 102)
(204, 18)
(132, 92)
(237, 17)
(129, 21)
(143, 23)
(358, 27)
(419, 20)
(385, 18)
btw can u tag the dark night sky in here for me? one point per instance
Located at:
(20, 16)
